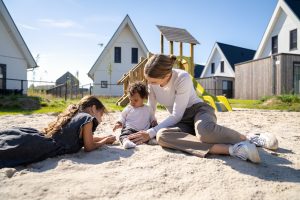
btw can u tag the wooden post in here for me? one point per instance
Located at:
(161, 43)
(171, 47)
(180, 49)
(191, 70)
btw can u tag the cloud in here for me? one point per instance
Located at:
(103, 19)
(59, 23)
(25, 26)
(81, 35)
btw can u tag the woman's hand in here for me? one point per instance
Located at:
(139, 137)
(117, 125)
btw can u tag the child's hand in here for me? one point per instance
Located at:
(153, 123)
(117, 125)
(109, 139)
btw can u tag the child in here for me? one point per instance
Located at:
(136, 116)
(72, 130)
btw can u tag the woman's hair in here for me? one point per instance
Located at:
(138, 87)
(159, 65)
(63, 118)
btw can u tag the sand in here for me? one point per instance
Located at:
(151, 172)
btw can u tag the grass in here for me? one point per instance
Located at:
(9, 104)
(284, 102)
(47, 104)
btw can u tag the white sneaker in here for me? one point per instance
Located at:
(245, 150)
(127, 144)
(266, 140)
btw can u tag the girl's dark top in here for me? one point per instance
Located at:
(20, 146)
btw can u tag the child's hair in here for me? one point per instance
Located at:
(63, 118)
(138, 87)
(159, 65)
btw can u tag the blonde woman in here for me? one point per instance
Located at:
(72, 130)
(191, 125)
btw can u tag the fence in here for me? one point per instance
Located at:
(9, 86)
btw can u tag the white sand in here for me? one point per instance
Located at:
(150, 172)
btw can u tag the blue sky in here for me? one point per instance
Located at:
(66, 33)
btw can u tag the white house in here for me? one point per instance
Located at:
(120, 55)
(15, 57)
(218, 74)
(281, 35)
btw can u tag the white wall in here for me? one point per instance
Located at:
(284, 24)
(10, 55)
(126, 41)
(216, 58)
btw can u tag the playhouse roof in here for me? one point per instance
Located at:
(177, 34)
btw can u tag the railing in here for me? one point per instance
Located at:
(9, 86)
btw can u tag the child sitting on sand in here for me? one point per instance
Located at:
(136, 116)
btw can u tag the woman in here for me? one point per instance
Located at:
(191, 125)
(72, 130)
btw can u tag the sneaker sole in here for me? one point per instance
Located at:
(253, 153)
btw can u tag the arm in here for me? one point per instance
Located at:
(89, 142)
(183, 89)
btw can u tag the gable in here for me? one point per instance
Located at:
(125, 32)
(284, 19)
(14, 37)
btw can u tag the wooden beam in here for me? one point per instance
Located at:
(180, 49)
(191, 70)
(161, 43)
(171, 47)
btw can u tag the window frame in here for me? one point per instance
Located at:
(293, 44)
(134, 60)
(212, 68)
(274, 49)
(118, 55)
(222, 67)
(104, 84)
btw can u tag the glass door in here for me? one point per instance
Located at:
(296, 79)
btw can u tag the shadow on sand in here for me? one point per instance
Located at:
(274, 166)
(104, 154)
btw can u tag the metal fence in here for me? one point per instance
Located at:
(67, 90)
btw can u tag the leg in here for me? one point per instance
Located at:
(208, 131)
(175, 138)
(125, 132)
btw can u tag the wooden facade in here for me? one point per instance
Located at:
(273, 75)
(216, 85)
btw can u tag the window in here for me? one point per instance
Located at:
(134, 55)
(274, 44)
(293, 39)
(2, 76)
(296, 78)
(117, 54)
(222, 66)
(212, 68)
(104, 84)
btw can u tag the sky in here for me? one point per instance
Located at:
(65, 35)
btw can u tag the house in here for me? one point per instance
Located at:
(67, 84)
(219, 73)
(275, 69)
(120, 55)
(15, 57)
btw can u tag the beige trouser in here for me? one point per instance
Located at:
(197, 132)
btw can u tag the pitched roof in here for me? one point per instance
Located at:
(290, 8)
(198, 70)
(126, 21)
(177, 34)
(294, 6)
(12, 29)
(235, 54)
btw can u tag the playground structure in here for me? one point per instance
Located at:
(219, 103)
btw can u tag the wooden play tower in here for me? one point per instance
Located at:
(181, 36)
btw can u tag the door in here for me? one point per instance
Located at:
(296, 78)
(227, 88)
(2, 77)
